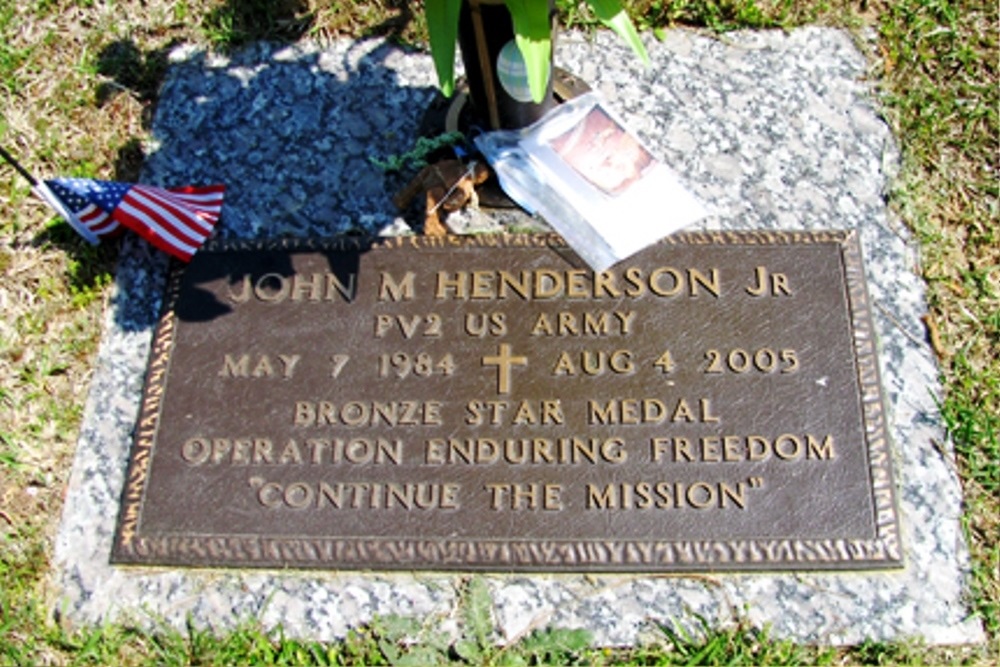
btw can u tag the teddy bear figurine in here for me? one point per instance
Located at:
(449, 186)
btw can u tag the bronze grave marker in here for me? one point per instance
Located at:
(480, 403)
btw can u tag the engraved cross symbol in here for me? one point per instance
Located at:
(503, 361)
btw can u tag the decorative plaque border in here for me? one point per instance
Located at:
(884, 551)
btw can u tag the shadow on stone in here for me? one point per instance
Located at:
(290, 130)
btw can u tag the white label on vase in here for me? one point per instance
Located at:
(512, 72)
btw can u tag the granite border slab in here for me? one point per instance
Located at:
(773, 130)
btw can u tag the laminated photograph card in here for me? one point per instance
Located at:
(592, 180)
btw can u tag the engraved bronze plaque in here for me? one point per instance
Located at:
(712, 403)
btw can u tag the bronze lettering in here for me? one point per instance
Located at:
(276, 288)
(482, 285)
(666, 495)
(309, 286)
(232, 367)
(367, 413)
(525, 412)
(356, 495)
(545, 497)
(768, 284)
(391, 289)
(649, 411)
(735, 448)
(263, 367)
(454, 285)
(486, 324)
(314, 451)
(524, 451)
(594, 363)
(605, 285)
(520, 285)
(428, 326)
(590, 323)
(575, 284)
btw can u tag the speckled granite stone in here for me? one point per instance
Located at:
(772, 130)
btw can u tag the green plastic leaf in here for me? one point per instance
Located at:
(611, 13)
(442, 29)
(533, 33)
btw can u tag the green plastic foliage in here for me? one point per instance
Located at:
(613, 15)
(533, 33)
(442, 29)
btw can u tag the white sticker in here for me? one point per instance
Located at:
(512, 73)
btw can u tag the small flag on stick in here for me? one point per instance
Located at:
(175, 220)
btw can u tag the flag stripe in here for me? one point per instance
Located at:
(168, 246)
(177, 219)
(206, 199)
(165, 231)
(187, 221)
(150, 228)
(211, 216)
(209, 192)
(184, 210)
(97, 220)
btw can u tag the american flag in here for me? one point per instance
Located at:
(175, 220)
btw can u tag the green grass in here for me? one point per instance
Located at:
(77, 83)
(940, 83)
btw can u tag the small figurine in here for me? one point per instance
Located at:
(449, 184)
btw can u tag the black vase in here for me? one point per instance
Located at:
(485, 27)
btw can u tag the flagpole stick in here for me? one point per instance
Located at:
(9, 159)
(50, 198)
